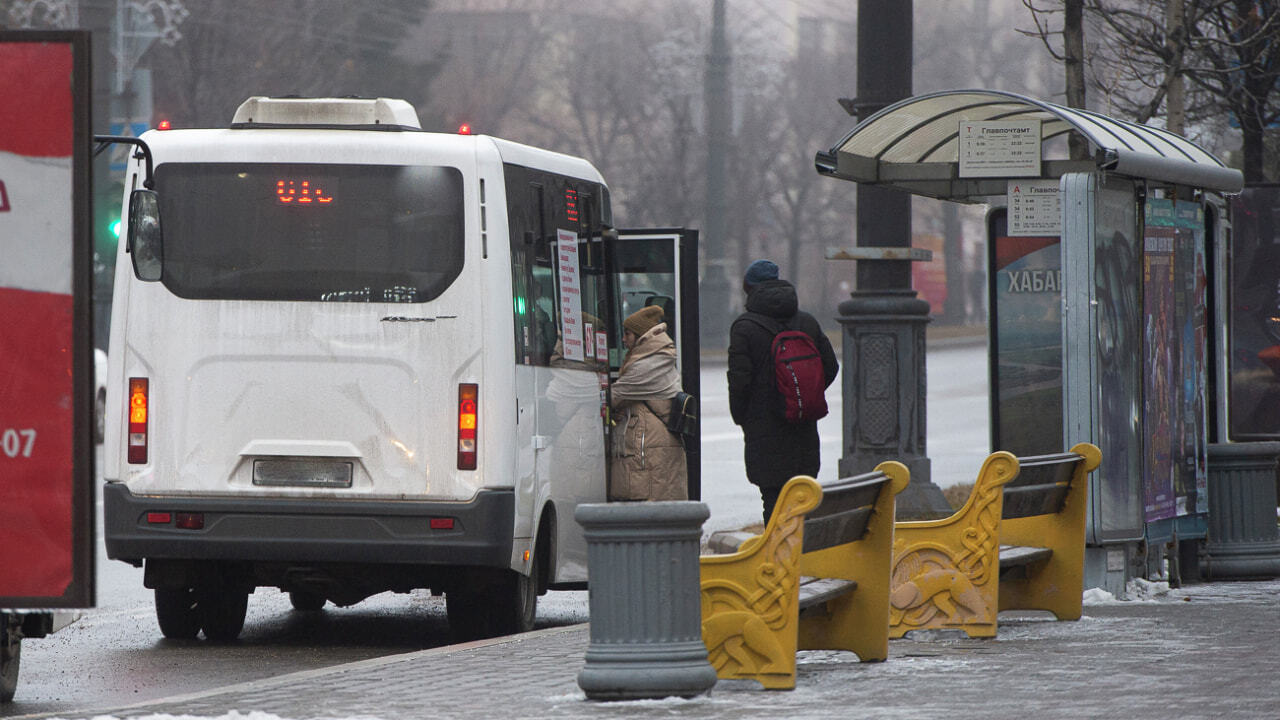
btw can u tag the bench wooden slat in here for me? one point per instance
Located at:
(835, 530)
(845, 510)
(815, 591)
(1015, 555)
(848, 493)
(1045, 470)
(1031, 500)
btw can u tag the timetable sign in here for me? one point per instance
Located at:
(999, 148)
(1035, 208)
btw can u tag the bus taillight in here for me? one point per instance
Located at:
(137, 421)
(467, 414)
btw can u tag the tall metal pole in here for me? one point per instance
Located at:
(884, 322)
(715, 286)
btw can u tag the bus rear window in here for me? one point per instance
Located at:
(310, 232)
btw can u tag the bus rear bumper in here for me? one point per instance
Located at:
(477, 533)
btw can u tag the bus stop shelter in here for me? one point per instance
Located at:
(1108, 299)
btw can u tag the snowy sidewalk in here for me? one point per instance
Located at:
(1205, 651)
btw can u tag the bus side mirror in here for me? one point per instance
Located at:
(146, 242)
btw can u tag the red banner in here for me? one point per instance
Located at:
(37, 339)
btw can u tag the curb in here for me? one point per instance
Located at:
(304, 675)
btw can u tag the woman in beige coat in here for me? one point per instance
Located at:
(647, 461)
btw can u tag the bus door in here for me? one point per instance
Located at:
(569, 306)
(660, 267)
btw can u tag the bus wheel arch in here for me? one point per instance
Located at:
(544, 549)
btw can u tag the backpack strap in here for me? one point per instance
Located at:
(773, 326)
(659, 414)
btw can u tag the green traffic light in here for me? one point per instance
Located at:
(114, 229)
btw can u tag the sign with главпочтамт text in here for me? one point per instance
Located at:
(999, 148)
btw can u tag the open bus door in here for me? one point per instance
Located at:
(660, 267)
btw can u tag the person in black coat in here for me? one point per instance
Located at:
(776, 450)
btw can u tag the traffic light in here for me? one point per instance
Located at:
(108, 225)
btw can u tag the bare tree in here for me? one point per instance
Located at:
(1228, 51)
(623, 91)
(232, 49)
(1236, 58)
(1071, 53)
(1190, 62)
(491, 57)
(1001, 61)
(809, 212)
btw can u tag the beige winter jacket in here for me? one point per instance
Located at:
(647, 460)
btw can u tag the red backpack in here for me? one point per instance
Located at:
(797, 371)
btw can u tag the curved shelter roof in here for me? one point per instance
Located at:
(914, 145)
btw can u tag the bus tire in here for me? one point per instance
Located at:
(505, 607)
(515, 605)
(176, 613)
(222, 611)
(304, 601)
(465, 613)
(10, 659)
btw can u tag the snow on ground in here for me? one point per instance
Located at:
(232, 715)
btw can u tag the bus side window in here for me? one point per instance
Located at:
(544, 312)
(522, 213)
(544, 301)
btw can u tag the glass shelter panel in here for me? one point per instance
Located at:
(1254, 363)
(1115, 296)
(1026, 340)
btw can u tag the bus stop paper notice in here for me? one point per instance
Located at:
(571, 331)
(1000, 148)
(1035, 208)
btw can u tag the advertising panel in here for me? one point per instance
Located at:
(1175, 333)
(46, 468)
(1026, 340)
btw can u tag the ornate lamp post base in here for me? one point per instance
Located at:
(884, 393)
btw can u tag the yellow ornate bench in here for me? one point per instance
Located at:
(1017, 544)
(816, 579)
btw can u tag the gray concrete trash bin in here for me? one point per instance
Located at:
(645, 601)
(1243, 540)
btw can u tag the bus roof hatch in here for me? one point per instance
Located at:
(345, 113)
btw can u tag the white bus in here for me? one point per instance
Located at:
(348, 356)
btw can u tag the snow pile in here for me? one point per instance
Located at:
(233, 715)
(1137, 590)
